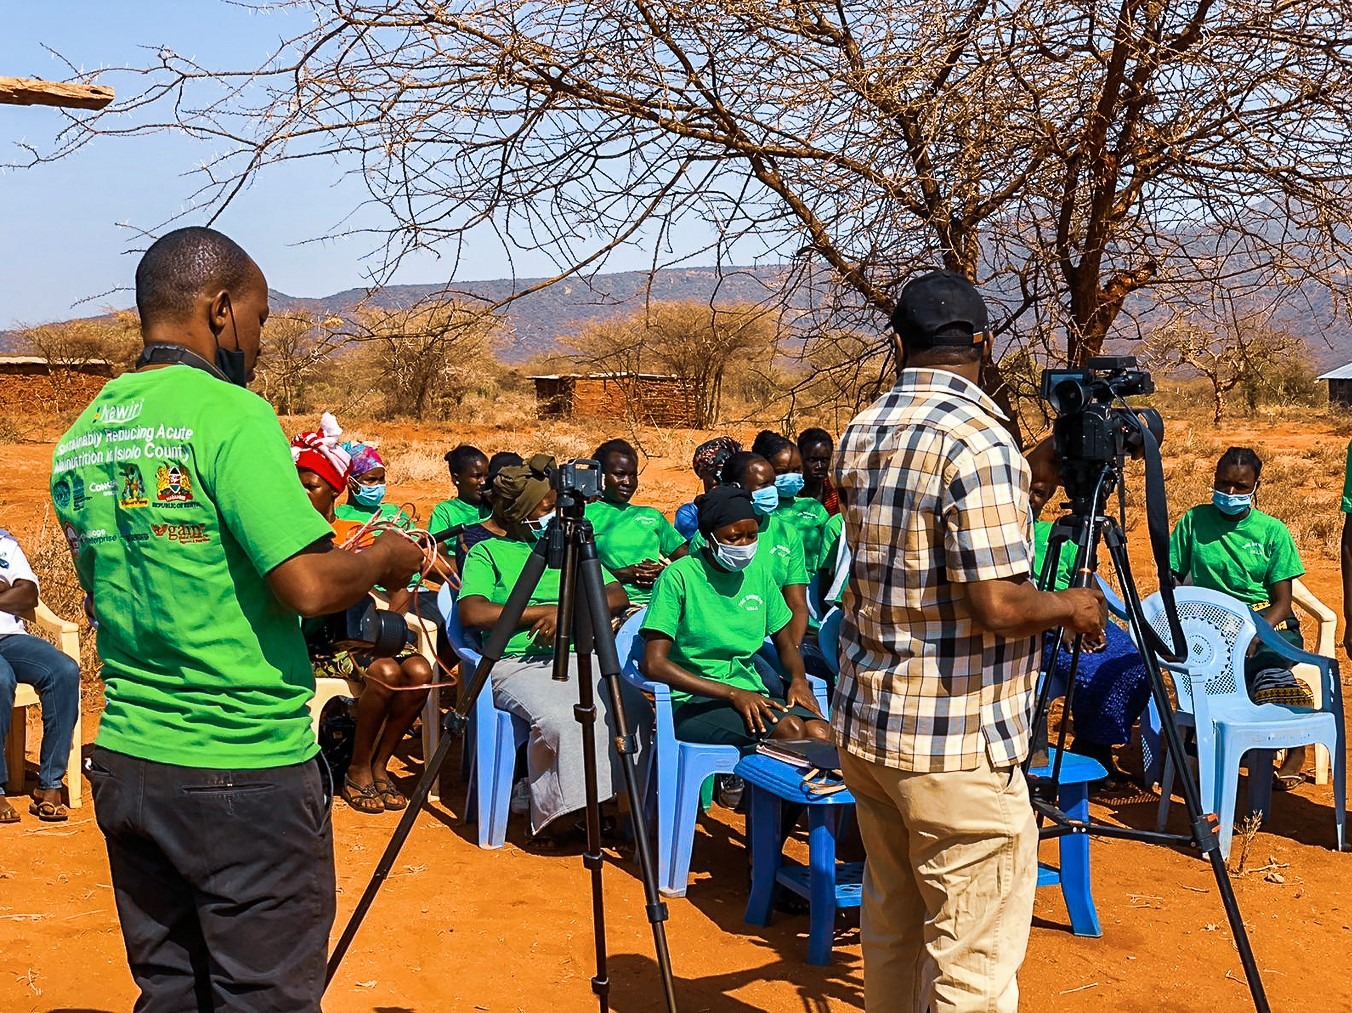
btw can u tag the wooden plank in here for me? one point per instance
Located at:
(20, 91)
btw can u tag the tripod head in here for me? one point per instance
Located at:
(576, 483)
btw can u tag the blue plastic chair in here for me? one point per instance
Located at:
(828, 638)
(1214, 704)
(675, 769)
(492, 738)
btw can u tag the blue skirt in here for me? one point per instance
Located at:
(1111, 689)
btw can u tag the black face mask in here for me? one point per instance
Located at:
(230, 361)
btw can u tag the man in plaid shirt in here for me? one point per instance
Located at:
(938, 661)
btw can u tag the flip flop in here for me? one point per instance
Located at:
(390, 796)
(1287, 782)
(49, 812)
(8, 814)
(363, 798)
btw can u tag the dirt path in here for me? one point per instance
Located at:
(457, 928)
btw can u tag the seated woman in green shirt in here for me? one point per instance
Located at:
(522, 683)
(633, 542)
(807, 516)
(469, 474)
(709, 615)
(386, 706)
(1231, 546)
(366, 488)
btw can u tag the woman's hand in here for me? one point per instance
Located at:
(758, 712)
(542, 631)
(800, 695)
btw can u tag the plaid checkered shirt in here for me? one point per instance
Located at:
(935, 495)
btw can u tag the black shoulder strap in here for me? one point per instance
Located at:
(168, 355)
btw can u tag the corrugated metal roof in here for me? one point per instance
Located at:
(1341, 373)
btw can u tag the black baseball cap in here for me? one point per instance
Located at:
(940, 308)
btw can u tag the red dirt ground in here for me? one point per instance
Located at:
(459, 928)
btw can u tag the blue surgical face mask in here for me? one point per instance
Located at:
(1231, 504)
(538, 525)
(368, 495)
(733, 557)
(789, 484)
(765, 501)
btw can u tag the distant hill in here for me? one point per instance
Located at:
(537, 321)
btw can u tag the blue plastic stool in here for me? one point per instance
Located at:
(828, 886)
(1073, 874)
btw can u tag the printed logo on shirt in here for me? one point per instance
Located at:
(103, 488)
(72, 537)
(173, 484)
(61, 493)
(77, 492)
(133, 488)
(780, 550)
(646, 522)
(117, 414)
(751, 603)
(186, 534)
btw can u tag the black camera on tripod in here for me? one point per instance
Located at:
(364, 627)
(1094, 425)
(577, 480)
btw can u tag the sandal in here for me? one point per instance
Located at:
(8, 814)
(390, 796)
(1287, 782)
(363, 798)
(48, 811)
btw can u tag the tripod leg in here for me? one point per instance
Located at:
(497, 640)
(626, 744)
(1201, 824)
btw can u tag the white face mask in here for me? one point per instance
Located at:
(537, 526)
(732, 557)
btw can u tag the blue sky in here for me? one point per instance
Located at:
(67, 228)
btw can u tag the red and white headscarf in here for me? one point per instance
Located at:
(321, 453)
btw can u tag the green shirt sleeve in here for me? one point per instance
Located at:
(1347, 482)
(1180, 546)
(777, 613)
(664, 609)
(479, 575)
(668, 538)
(252, 480)
(1284, 558)
(441, 518)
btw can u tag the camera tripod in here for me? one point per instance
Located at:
(583, 619)
(1088, 526)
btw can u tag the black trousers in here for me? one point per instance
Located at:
(224, 881)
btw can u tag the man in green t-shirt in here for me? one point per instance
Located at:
(634, 542)
(200, 551)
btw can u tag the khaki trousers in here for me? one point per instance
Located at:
(948, 886)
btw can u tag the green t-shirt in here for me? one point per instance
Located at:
(491, 570)
(717, 621)
(808, 517)
(1347, 483)
(1065, 563)
(355, 512)
(178, 494)
(784, 546)
(1242, 558)
(831, 536)
(451, 513)
(627, 534)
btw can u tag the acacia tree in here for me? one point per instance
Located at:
(425, 352)
(696, 343)
(1066, 154)
(1238, 353)
(295, 349)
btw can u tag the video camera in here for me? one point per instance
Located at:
(580, 479)
(364, 627)
(1090, 431)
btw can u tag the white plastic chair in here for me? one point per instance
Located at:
(1326, 633)
(1213, 701)
(68, 642)
(425, 639)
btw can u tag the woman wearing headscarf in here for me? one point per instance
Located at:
(523, 504)
(709, 615)
(366, 488)
(707, 463)
(385, 711)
